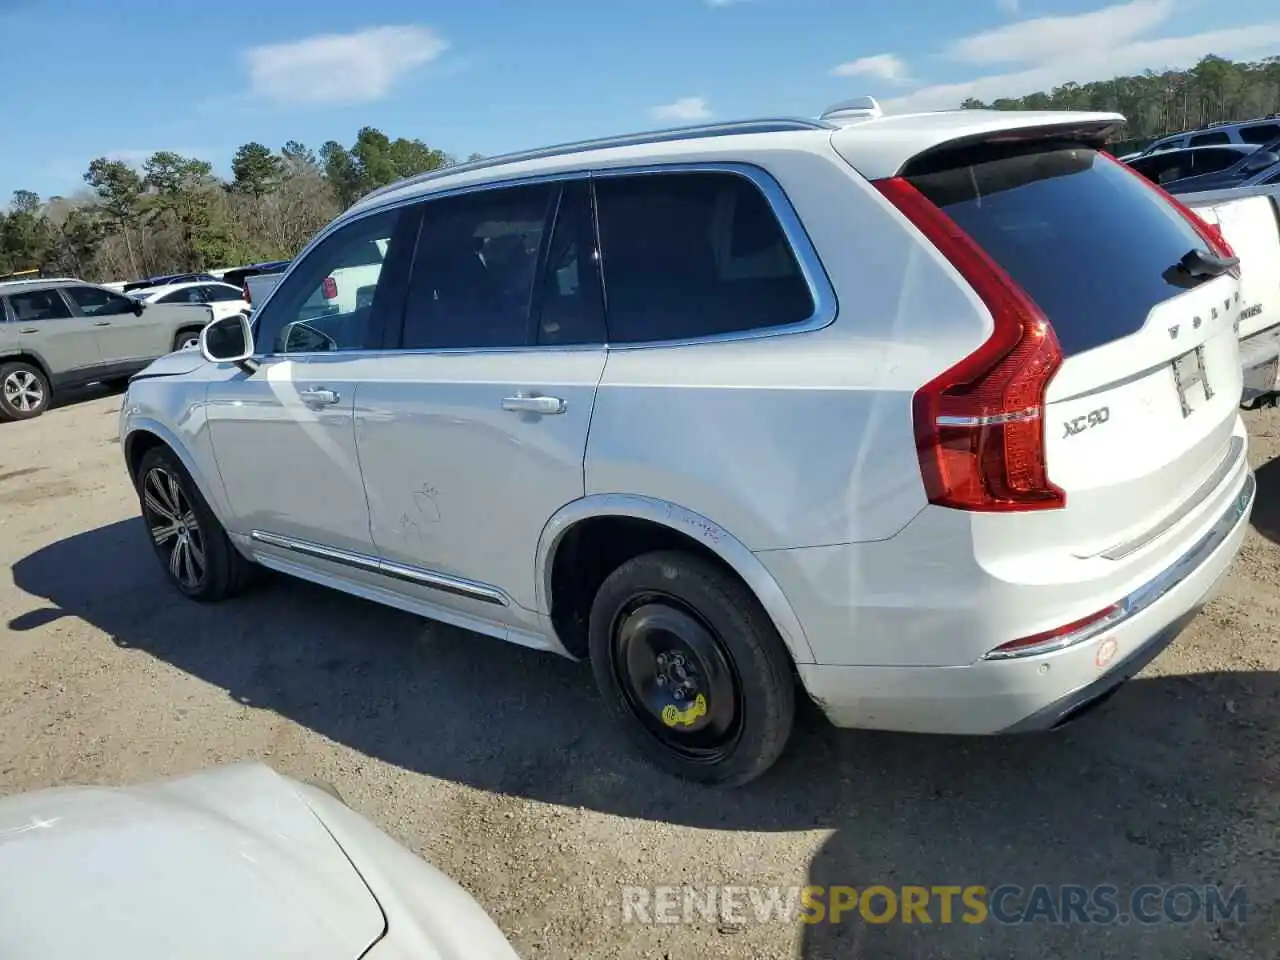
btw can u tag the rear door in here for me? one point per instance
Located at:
(1143, 408)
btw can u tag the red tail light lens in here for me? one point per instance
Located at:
(330, 287)
(1210, 233)
(980, 425)
(244, 288)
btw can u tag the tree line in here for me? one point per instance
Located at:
(171, 214)
(1157, 103)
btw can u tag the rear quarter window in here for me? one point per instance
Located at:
(1084, 237)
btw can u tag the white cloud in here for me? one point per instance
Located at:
(1093, 46)
(883, 66)
(686, 108)
(340, 68)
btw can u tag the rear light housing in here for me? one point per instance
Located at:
(980, 425)
(330, 288)
(1059, 638)
(1210, 233)
(244, 288)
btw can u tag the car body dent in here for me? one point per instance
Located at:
(693, 525)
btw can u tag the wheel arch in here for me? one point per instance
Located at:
(143, 435)
(29, 356)
(691, 529)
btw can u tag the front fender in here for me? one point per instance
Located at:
(205, 479)
(710, 534)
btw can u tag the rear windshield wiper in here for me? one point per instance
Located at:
(1197, 267)
(1201, 263)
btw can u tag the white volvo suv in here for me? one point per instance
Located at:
(934, 416)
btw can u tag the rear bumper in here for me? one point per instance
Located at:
(1260, 362)
(1034, 693)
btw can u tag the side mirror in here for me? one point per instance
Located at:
(229, 340)
(137, 306)
(1260, 160)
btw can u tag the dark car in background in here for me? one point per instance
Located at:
(1254, 169)
(1169, 165)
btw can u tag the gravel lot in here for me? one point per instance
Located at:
(490, 761)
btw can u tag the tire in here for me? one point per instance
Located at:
(24, 391)
(209, 568)
(692, 668)
(187, 339)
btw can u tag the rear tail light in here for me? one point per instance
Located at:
(330, 286)
(1060, 638)
(244, 288)
(980, 425)
(1210, 233)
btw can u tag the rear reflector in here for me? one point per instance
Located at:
(1059, 638)
(1210, 233)
(980, 425)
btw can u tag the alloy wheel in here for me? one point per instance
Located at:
(23, 391)
(175, 531)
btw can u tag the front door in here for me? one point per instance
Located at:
(45, 326)
(283, 433)
(126, 335)
(472, 433)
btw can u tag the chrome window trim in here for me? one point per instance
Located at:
(821, 290)
(457, 586)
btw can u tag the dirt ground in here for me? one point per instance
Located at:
(489, 760)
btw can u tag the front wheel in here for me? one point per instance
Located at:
(24, 391)
(187, 340)
(192, 546)
(692, 668)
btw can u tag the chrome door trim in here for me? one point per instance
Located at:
(398, 571)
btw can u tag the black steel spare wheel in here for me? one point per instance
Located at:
(676, 677)
(175, 529)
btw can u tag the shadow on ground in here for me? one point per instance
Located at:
(1169, 782)
(1266, 506)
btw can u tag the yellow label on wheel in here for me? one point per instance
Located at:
(673, 716)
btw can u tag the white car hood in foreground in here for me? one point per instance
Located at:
(231, 863)
(234, 863)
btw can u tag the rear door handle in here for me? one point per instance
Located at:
(546, 406)
(320, 397)
(102, 323)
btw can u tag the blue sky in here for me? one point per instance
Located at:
(124, 78)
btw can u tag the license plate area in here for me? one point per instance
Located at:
(1188, 375)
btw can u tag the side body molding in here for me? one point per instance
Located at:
(710, 534)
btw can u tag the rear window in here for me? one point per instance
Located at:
(1084, 237)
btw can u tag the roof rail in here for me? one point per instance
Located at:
(772, 125)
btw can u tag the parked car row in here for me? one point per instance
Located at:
(935, 417)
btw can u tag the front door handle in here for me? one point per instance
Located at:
(102, 323)
(546, 406)
(320, 397)
(29, 330)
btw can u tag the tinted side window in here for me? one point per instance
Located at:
(1162, 168)
(322, 306)
(1260, 133)
(38, 305)
(475, 269)
(694, 255)
(185, 295)
(1211, 161)
(571, 308)
(95, 302)
(1209, 139)
(217, 293)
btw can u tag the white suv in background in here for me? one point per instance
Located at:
(934, 416)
